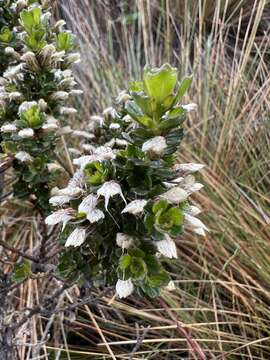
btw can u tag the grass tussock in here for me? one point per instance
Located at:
(223, 296)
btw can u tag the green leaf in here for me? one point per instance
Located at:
(183, 88)
(176, 216)
(137, 114)
(5, 35)
(160, 205)
(124, 261)
(160, 279)
(64, 41)
(30, 19)
(138, 268)
(21, 271)
(159, 83)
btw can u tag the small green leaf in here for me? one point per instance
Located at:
(5, 35)
(21, 271)
(183, 88)
(124, 261)
(64, 41)
(160, 205)
(159, 83)
(30, 19)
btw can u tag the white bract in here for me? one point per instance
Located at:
(124, 241)
(114, 126)
(8, 128)
(190, 107)
(195, 224)
(188, 168)
(76, 238)
(155, 146)
(71, 191)
(110, 111)
(59, 200)
(59, 216)
(135, 207)
(108, 190)
(26, 133)
(167, 247)
(50, 127)
(26, 105)
(88, 206)
(170, 286)
(122, 97)
(23, 156)
(124, 288)
(175, 195)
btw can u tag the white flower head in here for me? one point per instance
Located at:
(127, 118)
(60, 216)
(170, 286)
(110, 111)
(135, 207)
(124, 288)
(88, 206)
(77, 180)
(49, 127)
(8, 128)
(26, 133)
(155, 146)
(65, 130)
(24, 157)
(122, 97)
(59, 200)
(72, 192)
(83, 134)
(96, 120)
(124, 241)
(13, 72)
(76, 92)
(54, 167)
(190, 107)
(26, 105)
(73, 58)
(175, 195)
(59, 95)
(114, 126)
(88, 148)
(43, 105)
(15, 95)
(121, 142)
(108, 190)
(195, 187)
(188, 168)
(193, 210)
(195, 224)
(82, 161)
(104, 153)
(167, 247)
(77, 237)
(67, 110)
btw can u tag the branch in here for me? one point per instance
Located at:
(17, 251)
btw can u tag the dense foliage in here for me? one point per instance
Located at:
(36, 86)
(128, 200)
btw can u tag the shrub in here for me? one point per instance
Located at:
(128, 201)
(34, 94)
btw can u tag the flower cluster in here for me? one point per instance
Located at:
(129, 200)
(34, 93)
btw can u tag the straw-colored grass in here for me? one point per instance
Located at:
(223, 294)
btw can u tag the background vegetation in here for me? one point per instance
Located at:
(222, 297)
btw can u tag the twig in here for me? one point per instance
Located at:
(139, 342)
(17, 251)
